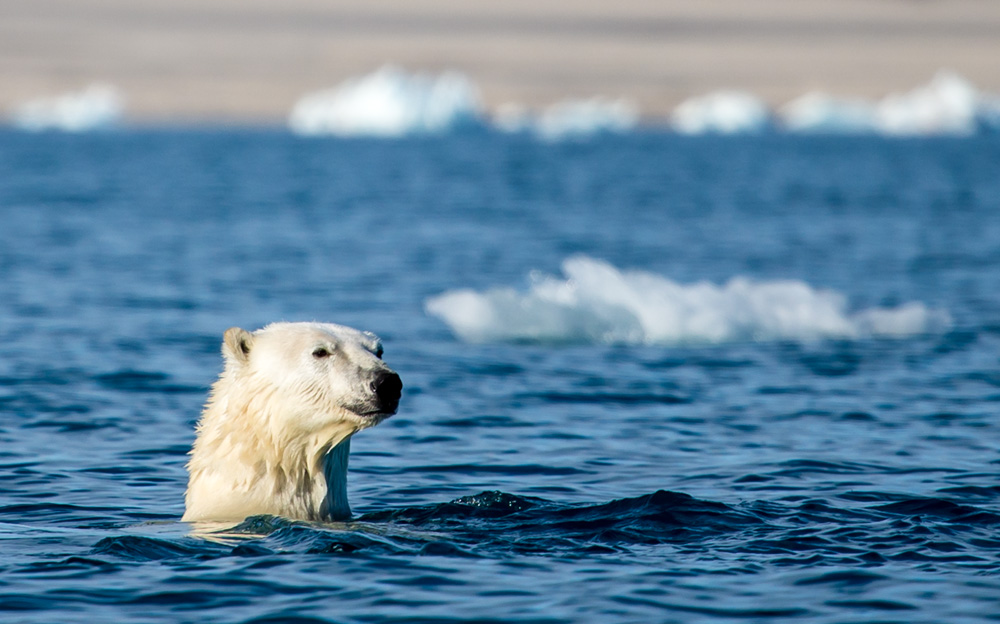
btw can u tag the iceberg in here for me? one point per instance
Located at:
(582, 118)
(99, 106)
(570, 119)
(596, 303)
(949, 104)
(389, 103)
(721, 112)
(817, 112)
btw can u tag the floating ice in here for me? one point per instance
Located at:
(570, 119)
(949, 104)
(578, 118)
(822, 113)
(96, 107)
(389, 103)
(598, 303)
(721, 112)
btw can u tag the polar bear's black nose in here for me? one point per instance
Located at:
(387, 387)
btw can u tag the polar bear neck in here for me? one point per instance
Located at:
(266, 471)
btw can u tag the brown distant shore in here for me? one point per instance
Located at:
(247, 61)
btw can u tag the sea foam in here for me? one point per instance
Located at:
(594, 302)
(389, 102)
(97, 107)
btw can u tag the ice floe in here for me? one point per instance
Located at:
(570, 119)
(721, 112)
(823, 113)
(947, 105)
(98, 106)
(392, 102)
(389, 102)
(595, 302)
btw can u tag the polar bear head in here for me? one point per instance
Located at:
(319, 373)
(275, 434)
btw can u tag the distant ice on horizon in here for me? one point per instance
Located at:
(822, 113)
(947, 105)
(389, 102)
(570, 118)
(721, 112)
(96, 107)
(597, 303)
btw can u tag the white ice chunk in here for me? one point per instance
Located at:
(98, 106)
(582, 118)
(570, 119)
(821, 113)
(721, 112)
(947, 105)
(594, 302)
(389, 103)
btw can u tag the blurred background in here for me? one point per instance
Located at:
(250, 60)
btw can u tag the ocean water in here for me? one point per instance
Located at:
(745, 379)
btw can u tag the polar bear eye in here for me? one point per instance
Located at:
(321, 352)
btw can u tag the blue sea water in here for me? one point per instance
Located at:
(551, 479)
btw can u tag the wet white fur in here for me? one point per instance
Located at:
(274, 437)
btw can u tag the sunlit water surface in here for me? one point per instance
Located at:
(530, 476)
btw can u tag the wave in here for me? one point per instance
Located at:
(598, 303)
(99, 106)
(483, 524)
(389, 103)
(495, 523)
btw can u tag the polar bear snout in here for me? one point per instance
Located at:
(387, 388)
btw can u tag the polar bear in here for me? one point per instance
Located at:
(275, 433)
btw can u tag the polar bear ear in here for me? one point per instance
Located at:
(236, 345)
